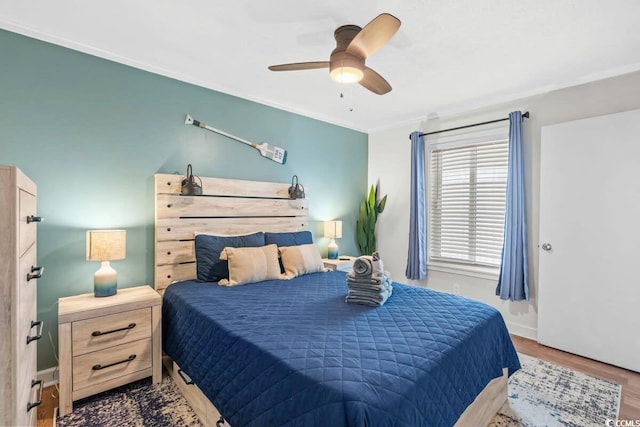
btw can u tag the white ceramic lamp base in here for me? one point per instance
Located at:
(332, 250)
(105, 281)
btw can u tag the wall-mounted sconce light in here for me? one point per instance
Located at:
(190, 186)
(296, 191)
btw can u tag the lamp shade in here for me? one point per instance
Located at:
(106, 245)
(333, 229)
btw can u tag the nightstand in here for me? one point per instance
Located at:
(343, 263)
(107, 342)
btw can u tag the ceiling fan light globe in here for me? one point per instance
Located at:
(345, 67)
(346, 74)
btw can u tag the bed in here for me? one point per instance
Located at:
(294, 353)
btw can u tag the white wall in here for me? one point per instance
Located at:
(389, 163)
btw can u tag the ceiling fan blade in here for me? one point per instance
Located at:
(300, 66)
(375, 82)
(374, 35)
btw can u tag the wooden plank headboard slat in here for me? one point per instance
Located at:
(172, 184)
(175, 252)
(229, 207)
(167, 274)
(166, 229)
(175, 206)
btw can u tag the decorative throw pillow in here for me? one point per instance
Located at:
(249, 265)
(210, 267)
(288, 239)
(301, 259)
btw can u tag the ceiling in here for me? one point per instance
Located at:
(449, 56)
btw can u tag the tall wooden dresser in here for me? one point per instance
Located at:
(20, 391)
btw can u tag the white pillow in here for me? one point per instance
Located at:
(301, 259)
(249, 265)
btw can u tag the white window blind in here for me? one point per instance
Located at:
(467, 203)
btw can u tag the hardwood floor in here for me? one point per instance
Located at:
(630, 381)
(49, 403)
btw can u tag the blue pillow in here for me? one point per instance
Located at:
(209, 266)
(288, 239)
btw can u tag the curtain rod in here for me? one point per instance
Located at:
(524, 115)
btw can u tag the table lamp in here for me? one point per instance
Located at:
(105, 246)
(332, 230)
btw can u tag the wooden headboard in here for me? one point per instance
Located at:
(227, 207)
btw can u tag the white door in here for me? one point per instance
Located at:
(589, 288)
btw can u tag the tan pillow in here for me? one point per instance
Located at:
(301, 259)
(248, 265)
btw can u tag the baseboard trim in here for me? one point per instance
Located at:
(49, 376)
(522, 330)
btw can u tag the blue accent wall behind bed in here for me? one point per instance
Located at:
(91, 133)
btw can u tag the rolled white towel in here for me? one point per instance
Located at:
(377, 264)
(363, 266)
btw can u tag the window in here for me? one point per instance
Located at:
(467, 202)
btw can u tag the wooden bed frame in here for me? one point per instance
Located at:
(234, 207)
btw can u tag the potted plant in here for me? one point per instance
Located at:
(370, 208)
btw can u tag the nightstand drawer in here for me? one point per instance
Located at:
(98, 367)
(106, 331)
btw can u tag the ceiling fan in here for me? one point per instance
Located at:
(353, 46)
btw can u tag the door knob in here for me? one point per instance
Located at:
(546, 246)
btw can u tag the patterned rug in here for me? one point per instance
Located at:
(541, 394)
(137, 404)
(545, 394)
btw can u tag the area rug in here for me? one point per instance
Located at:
(138, 404)
(545, 394)
(540, 394)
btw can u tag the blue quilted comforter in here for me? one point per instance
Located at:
(294, 353)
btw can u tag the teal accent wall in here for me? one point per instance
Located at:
(92, 133)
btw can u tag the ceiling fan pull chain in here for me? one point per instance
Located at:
(351, 99)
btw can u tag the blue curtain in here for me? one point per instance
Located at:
(513, 283)
(417, 258)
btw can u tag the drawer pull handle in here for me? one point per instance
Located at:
(30, 405)
(99, 333)
(186, 378)
(32, 218)
(99, 367)
(36, 273)
(40, 325)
